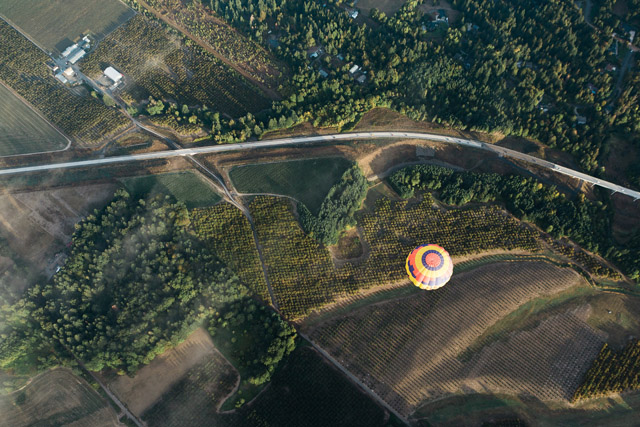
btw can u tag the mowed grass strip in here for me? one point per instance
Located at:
(22, 130)
(54, 24)
(185, 186)
(307, 181)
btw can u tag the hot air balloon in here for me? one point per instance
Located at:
(429, 267)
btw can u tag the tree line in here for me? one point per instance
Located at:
(586, 222)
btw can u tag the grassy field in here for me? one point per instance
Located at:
(185, 186)
(408, 349)
(56, 397)
(308, 181)
(22, 130)
(305, 392)
(474, 409)
(54, 24)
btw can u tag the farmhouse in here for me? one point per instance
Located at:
(113, 75)
(354, 69)
(441, 16)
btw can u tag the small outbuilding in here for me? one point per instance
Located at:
(113, 74)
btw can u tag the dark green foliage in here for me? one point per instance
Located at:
(586, 222)
(612, 372)
(255, 337)
(135, 281)
(337, 209)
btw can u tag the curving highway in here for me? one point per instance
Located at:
(500, 151)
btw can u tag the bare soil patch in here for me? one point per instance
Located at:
(56, 397)
(622, 154)
(151, 382)
(38, 223)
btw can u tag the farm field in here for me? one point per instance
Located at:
(162, 67)
(55, 24)
(475, 409)
(307, 181)
(304, 276)
(310, 392)
(387, 344)
(36, 224)
(186, 187)
(227, 232)
(56, 397)
(22, 130)
(86, 119)
(243, 54)
(153, 381)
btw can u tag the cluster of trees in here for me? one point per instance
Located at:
(135, 282)
(584, 221)
(22, 67)
(338, 208)
(612, 372)
(256, 338)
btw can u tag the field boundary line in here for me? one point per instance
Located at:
(32, 108)
(354, 379)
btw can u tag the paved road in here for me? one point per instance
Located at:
(500, 151)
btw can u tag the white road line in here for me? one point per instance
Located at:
(501, 151)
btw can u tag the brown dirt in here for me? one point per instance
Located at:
(389, 7)
(57, 395)
(622, 154)
(406, 359)
(626, 217)
(39, 223)
(151, 382)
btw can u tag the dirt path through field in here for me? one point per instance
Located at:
(267, 90)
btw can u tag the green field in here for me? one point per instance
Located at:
(54, 24)
(308, 181)
(22, 130)
(186, 187)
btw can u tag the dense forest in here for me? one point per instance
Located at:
(586, 222)
(136, 282)
(514, 67)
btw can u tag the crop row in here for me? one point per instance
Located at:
(305, 278)
(199, 21)
(228, 234)
(612, 372)
(22, 67)
(408, 349)
(164, 68)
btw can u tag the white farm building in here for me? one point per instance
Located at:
(113, 75)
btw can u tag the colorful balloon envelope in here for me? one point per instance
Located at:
(429, 267)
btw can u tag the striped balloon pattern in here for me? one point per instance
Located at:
(429, 267)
